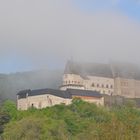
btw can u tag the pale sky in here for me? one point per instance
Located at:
(46, 33)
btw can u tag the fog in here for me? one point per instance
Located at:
(49, 32)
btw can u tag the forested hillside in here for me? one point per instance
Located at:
(78, 121)
(10, 84)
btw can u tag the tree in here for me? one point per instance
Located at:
(9, 107)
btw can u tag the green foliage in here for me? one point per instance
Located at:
(10, 108)
(4, 118)
(78, 121)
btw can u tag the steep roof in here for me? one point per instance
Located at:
(126, 70)
(85, 69)
(113, 69)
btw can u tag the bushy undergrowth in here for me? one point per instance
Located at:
(78, 121)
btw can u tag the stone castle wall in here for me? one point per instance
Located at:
(129, 88)
(101, 84)
(40, 101)
(46, 100)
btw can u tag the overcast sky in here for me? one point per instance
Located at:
(38, 34)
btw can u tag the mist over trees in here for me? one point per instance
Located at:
(11, 84)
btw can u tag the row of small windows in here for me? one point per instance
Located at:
(73, 82)
(124, 83)
(104, 92)
(102, 86)
(93, 85)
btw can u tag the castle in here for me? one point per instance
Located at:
(112, 79)
(91, 82)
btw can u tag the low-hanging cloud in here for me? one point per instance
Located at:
(51, 30)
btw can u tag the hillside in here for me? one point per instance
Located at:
(78, 121)
(10, 84)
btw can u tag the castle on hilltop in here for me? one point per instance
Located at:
(121, 79)
(102, 84)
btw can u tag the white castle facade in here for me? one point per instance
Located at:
(111, 79)
(103, 85)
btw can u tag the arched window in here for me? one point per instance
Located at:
(92, 85)
(32, 105)
(106, 86)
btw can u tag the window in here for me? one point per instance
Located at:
(111, 86)
(97, 85)
(106, 86)
(102, 86)
(32, 105)
(124, 83)
(92, 85)
(40, 105)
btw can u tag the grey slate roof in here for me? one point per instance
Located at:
(44, 91)
(126, 70)
(75, 92)
(85, 69)
(64, 94)
(113, 69)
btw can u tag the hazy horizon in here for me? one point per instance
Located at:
(45, 34)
